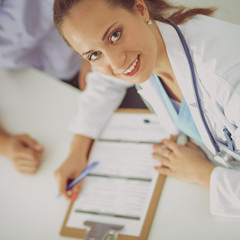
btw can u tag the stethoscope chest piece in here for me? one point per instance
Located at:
(224, 159)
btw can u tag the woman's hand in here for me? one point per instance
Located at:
(188, 162)
(73, 166)
(24, 152)
(67, 172)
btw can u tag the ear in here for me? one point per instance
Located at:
(141, 8)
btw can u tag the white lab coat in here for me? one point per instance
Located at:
(216, 56)
(97, 103)
(215, 49)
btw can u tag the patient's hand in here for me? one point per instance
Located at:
(24, 152)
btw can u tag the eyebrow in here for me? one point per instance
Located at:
(107, 31)
(103, 38)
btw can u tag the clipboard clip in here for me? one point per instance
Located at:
(102, 231)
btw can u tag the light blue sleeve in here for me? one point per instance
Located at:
(15, 41)
(28, 38)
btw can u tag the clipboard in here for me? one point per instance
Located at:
(82, 233)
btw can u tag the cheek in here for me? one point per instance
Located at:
(141, 36)
(103, 68)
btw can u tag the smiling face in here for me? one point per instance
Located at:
(115, 41)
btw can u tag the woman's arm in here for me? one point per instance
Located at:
(73, 165)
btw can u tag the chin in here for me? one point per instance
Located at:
(143, 78)
(136, 81)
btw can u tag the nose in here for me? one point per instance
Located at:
(115, 58)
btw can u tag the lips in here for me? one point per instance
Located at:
(133, 68)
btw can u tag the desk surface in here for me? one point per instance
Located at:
(35, 103)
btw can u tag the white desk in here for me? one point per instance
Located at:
(32, 102)
(37, 104)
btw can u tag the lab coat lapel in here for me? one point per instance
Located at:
(153, 100)
(182, 72)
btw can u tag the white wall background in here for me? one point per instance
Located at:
(228, 10)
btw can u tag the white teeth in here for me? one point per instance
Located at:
(131, 67)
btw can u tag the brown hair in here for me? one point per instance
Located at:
(158, 10)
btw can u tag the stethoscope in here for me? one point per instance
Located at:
(225, 155)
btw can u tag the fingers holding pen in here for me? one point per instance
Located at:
(76, 190)
(65, 174)
(62, 180)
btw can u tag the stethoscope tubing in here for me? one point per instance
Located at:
(191, 65)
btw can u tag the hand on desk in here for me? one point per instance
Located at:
(24, 151)
(188, 162)
(73, 166)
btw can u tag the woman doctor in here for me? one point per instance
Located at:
(133, 41)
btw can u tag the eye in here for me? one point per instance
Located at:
(94, 56)
(115, 36)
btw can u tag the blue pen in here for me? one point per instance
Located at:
(84, 173)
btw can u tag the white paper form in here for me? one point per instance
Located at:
(119, 189)
(135, 127)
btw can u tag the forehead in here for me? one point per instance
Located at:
(88, 21)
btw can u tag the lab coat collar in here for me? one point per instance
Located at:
(153, 100)
(178, 60)
(181, 68)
